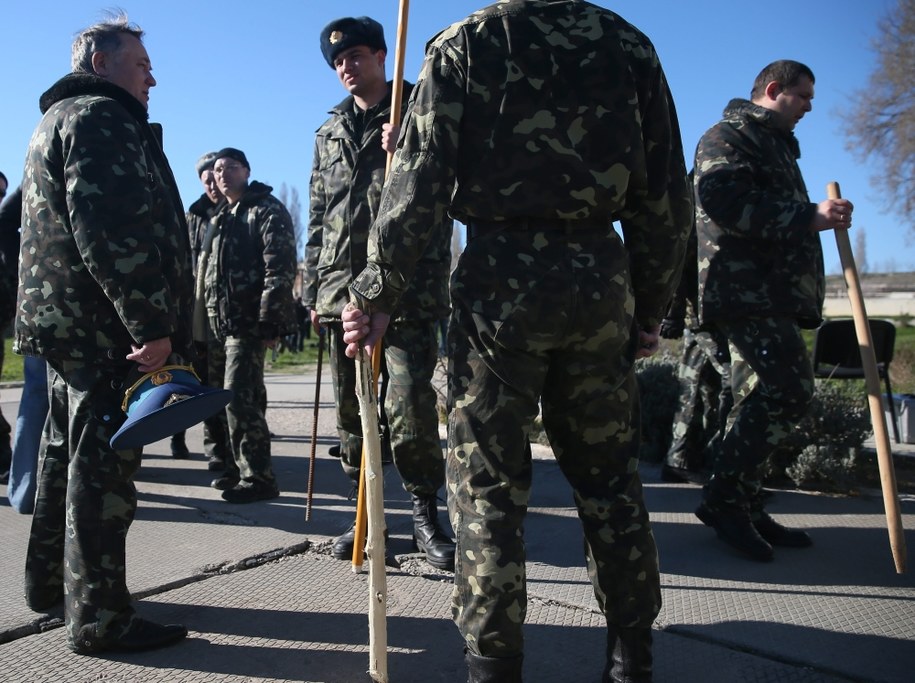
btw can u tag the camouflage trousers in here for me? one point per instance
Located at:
(704, 403)
(85, 503)
(409, 404)
(216, 442)
(544, 319)
(772, 382)
(238, 364)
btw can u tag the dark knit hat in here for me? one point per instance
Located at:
(232, 153)
(347, 32)
(205, 163)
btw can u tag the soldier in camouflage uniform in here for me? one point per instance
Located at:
(248, 270)
(760, 281)
(705, 381)
(559, 125)
(105, 287)
(348, 172)
(215, 428)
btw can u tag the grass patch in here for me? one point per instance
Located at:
(12, 363)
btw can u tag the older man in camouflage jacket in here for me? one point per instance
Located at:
(760, 281)
(346, 181)
(105, 286)
(538, 124)
(246, 286)
(215, 429)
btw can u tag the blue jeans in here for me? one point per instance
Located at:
(33, 411)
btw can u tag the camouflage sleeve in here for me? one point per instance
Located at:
(315, 239)
(418, 189)
(110, 202)
(659, 210)
(687, 290)
(729, 192)
(279, 266)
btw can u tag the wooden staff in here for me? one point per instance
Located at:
(374, 501)
(371, 441)
(872, 383)
(359, 532)
(314, 427)
(396, 105)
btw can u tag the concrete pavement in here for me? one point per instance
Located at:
(265, 601)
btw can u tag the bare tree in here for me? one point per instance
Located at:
(881, 121)
(861, 251)
(290, 198)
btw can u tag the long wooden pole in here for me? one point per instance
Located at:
(396, 106)
(371, 466)
(872, 383)
(374, 547)
(362, 522)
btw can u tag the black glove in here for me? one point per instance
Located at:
(671, 328)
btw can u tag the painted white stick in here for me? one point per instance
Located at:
(374, 499)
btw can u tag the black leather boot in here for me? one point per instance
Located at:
(628, 655)
(342, 548)
(778, 534)
(428, 535)
(493, 669)
(733, 526)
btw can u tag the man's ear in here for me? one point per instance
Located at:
(773, 88)
(100, 63)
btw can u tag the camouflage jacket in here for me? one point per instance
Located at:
(198, 219)
(757, 254)
(105, 260)
(564, 112)
(685, 305)
(252, 267)
(346, 181)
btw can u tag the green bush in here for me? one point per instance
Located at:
(659, 390)
(823, 452)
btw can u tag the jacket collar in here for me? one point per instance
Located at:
(75, 84)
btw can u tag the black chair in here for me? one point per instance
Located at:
(837, 354)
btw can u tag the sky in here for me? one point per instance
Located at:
(251, 75)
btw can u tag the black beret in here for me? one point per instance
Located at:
(205, 163)
(345, 33)
(232, 153)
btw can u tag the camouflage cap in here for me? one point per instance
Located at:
(205, 163)
(232, 153)
(342, 34)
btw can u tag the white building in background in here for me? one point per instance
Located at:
(890, 295)
(891, 305)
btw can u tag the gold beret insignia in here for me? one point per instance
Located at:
(335, 37)
(161, 377)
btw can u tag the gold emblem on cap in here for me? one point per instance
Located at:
(161, 377)
(335, 37)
